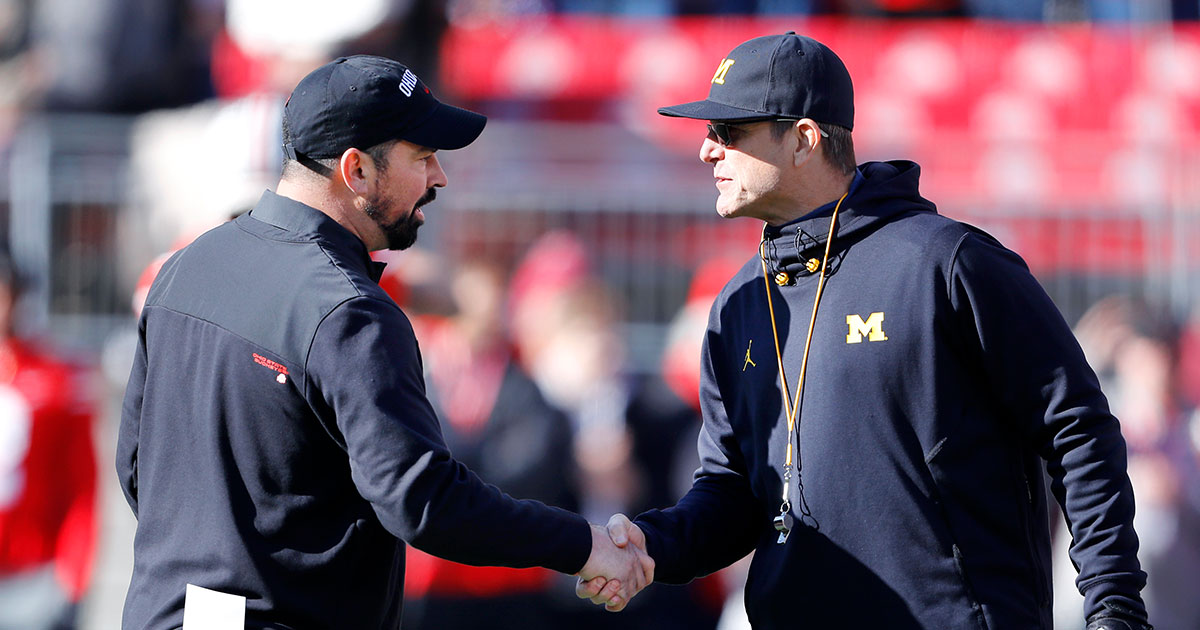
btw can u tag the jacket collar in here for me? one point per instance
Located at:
(301, 222)
(879, 192)
(789, 247)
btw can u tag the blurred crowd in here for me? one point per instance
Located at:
(1026, 10)
(526, 367)
(130, 56)
(526, 360)
(48, 506)
(1149, 366)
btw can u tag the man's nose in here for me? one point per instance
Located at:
(437, 177)
(711, 151)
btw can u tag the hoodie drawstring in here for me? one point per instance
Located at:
(783, 522)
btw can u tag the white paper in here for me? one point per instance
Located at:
(206, 609)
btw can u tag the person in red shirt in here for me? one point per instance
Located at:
(47, 479)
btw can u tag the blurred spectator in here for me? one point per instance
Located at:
(717, 7)
(476, 12)
(680, 367)
(902, 8)
(1116, 11)
(790, 7)
(263, 36)
(47, 480)
(628, 431)
(1102, 329)
(578, 363)
(497, 423)
(14, 27)
(480, 11)
(1189, 359)
(1023, 10)
(1127, 10)
(1133, 350)
(1185, 9)
(641, 8)
(124, 56)
(17, 82)
(413, 32)
(681, 357)
(145, 279)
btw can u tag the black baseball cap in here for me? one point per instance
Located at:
(783, 76)
(363, 100)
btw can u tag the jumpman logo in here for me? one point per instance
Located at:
(749, 361)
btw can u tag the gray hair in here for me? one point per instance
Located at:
(839, 146)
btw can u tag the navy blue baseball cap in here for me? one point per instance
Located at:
(777, 76)
(362, 101)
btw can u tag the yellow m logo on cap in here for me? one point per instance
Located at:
(719, 77)
(872, 328)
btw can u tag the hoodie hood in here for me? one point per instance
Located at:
(887, 190)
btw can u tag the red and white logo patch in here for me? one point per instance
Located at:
(281, 378)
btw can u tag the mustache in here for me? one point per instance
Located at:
(429, 196)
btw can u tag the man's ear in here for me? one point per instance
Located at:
(808, 138)
(356, 171)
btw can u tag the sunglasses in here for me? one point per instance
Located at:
(723, 132)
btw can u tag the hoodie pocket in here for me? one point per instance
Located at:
(976, 609)
(1026, 511)
(941, 524)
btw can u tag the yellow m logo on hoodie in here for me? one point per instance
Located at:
(872, 328)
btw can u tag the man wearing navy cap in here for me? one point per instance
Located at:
(276, 445)
(882, 388)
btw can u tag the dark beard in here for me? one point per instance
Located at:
(401, 233)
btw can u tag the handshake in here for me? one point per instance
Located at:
(616, 570)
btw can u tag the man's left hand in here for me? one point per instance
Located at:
(604, 587)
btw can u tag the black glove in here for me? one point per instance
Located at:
(1116, 623)
(1117, 617)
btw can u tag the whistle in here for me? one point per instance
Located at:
(783, 525)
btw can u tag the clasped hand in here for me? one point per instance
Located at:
(615, 570)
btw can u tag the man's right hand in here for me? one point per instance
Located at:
(615, 571)
(609, 589)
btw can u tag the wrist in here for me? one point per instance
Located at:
(594, 532)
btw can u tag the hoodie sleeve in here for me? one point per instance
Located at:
(365, 365)
(1035, 366)
(719, 520)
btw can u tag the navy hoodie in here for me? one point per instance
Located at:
(940, 377)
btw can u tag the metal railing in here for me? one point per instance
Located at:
(644, 214)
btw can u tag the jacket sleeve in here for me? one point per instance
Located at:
(131, 419)
(1037, 370)
(719, 520)
(365, 366)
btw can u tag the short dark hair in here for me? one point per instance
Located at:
(839, 146)
(293, 168)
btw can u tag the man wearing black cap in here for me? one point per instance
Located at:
(881, 389)
(276, 444)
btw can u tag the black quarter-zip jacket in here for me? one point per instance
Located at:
(940, 374)
(276, 441)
